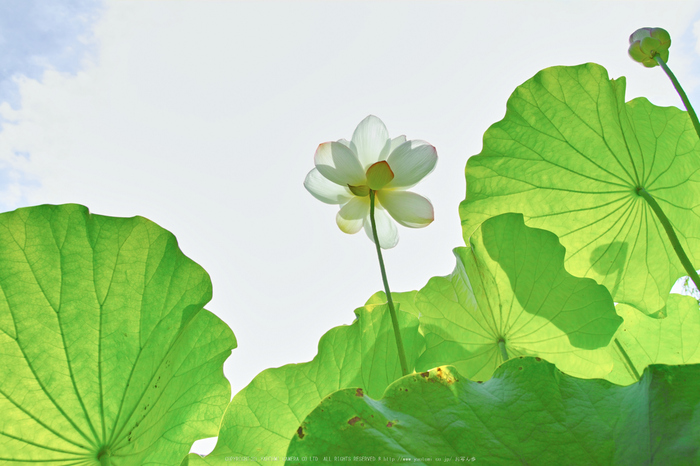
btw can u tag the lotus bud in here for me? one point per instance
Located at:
(646, 43)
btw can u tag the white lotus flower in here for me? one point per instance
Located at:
(347, 170)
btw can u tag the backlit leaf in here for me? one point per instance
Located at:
(528, 413)
(674, 339)
(264, 416)
(569, 155)
(511, 286)
(104, 344)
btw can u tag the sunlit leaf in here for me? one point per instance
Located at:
(674, 339)
(407, 300)
(570, 155)
(263, 417)
(528, 413)
(510, 286)
(104, 344)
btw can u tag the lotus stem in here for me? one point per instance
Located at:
(104, 456)
(392, 311)
(687, 265)
(681, 92)
(502, 346)
(627, 359)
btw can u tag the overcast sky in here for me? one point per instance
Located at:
(204, 117)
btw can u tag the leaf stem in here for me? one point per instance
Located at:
(392, 311)
(628, 361)
(681, 92)
(687, 265)
(504, 353)
(104, 456)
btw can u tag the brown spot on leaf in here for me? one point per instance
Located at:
(353, 420)
(358, 392)
(300, 432)
(445, 376)
(479, 381)
(424, 374)
(389, 424)
(520, 368)
(538, 359)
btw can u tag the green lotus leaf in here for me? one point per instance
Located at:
(107, 356)
(641, 340)
(510, 290)
(263, 417)
(570, 155)
(528, 413)
(407, 300)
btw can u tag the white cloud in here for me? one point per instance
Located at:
(36, 35)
